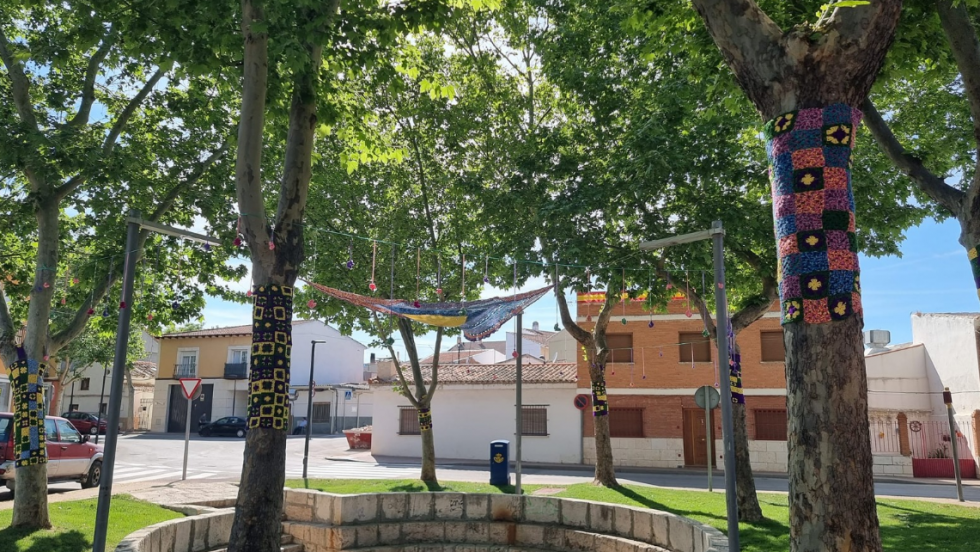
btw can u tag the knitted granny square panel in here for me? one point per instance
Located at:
(272, 342)
(27, 380)
(809, 154)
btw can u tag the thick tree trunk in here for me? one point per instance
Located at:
(605, 472)
(428, 446)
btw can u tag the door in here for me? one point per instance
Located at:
(177, 408)
(53, 445)
(74, 453)
(696, 438)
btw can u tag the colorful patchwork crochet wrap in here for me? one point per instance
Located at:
(975, 265)
(272, 342)
(425, 419)
(27, 379)
(600, 404)
(477, 319)
(813, 205)
(735, 378)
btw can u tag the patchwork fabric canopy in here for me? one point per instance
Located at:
(478, 319)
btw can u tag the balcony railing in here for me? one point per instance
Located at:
(185, 371)
(236, 370)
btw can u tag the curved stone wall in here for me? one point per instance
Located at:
(446, 522)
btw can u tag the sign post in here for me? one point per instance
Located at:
(190, 386)
(707, 397)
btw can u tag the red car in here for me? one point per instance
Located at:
(85, 422)
(70, 456)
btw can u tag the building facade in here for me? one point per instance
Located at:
(654, 373)
(221, 358)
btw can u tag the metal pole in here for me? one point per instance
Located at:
(187, 438)
(115, 395)
(948, 399)
(520, 409)
(309, 407)
(71, 400)
(234, 391)
(721, 337)
(101, 401)
(707, 427)
(333, 419)
(357, 408)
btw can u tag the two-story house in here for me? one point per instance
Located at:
(220, 357)
(658, 362)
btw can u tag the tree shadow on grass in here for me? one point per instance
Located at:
(66, 541)
(418, 487)
(917, 530)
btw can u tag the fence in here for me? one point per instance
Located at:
(886, 437)
(931, 439)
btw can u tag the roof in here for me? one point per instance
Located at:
(893, 349)
(530, 359)
(538, 336)
(144, 370)
(452, 356)
(226, 331)
(497, 374)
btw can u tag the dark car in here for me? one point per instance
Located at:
(232, 425)
(85, 422)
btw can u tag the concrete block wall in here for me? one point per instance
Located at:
(892, 465)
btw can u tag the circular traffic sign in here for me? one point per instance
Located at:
(581, 402)
(706, 391)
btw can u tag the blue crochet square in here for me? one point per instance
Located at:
(841, 282)
(837, 157)
(837, 113)
(805, 139)
(785, 226)
(798, 264)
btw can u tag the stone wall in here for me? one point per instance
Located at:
(446, 522)
(893, 465)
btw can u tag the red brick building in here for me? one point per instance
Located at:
(653, 376)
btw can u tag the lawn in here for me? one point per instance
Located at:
(73, 524)
(906, 525)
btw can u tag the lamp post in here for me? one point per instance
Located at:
(309, 407)
(101, 401)
(717, 234)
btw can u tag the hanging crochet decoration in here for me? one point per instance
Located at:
(272, 324)
(477, 319)
(27, 379)
(813, 204)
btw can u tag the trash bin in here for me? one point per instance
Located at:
(499, 465)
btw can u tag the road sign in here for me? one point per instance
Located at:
(710, 392)
(190, 386)
(581, 402)
(347, 395)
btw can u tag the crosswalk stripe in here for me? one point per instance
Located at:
(202, 475)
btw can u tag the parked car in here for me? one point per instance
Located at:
(71, 457)
(232, 425)
(86, 422)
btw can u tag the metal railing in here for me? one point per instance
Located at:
(236, 370)
(185, 370)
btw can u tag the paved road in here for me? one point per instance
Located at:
(157, 459)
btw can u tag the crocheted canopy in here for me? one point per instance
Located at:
(478, 319)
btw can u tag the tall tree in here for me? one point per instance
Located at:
(808, 83)
(85, 128)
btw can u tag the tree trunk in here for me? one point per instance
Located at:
(428, 445)
(605, 472)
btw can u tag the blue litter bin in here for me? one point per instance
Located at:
(499, 465)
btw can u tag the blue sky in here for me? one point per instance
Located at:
(933, 275)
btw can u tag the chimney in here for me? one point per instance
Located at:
(535, 326)
(877, 341)
(373, 359)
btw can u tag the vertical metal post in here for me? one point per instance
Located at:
(234, 392)
(309, 407)
(71, 400)
(98, 422)
(707, 428)
(115, 396)
(187, 437)
(948, 399)
(520, 409)
(357, 409)
(721, 327)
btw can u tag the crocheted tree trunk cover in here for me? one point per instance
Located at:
(975, 265)
(600, 404)
(27, 379)
(272, 341)
(813, 205)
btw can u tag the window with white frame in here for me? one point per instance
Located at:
(238, 356)
(186, 363)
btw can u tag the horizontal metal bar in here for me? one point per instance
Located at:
(171, 231)
(678, 240)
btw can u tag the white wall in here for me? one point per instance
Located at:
(528, 347)
(897, 380)
(339, 360)
(951, 358)
(564, 345)
(466, 418)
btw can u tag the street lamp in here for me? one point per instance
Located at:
(309, 407)
(101, 402)
(717, 234)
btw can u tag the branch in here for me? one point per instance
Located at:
(601, 323)
(935, 187)
(408, 338)
(88, 88)
(962, 38)
(702, 307)
(127, 113)
(578, 334)
(867, 27)
(7, 330)
(394, 359)
(21, 88)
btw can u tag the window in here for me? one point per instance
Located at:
(72, 408)
(84, 384)
(321, 413)
(534, 420)
(696, 345)
(50, 430)
(772, 346)
(186, 363)
(621, 347)
(408, 424)
(68, 433)
(770, 425)
(103, 408)
(626, 422)
(238, 356)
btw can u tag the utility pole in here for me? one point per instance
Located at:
(309, 407)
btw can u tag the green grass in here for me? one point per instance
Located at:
(73, 525)
(906, 525)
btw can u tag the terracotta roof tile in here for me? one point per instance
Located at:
(497, 374)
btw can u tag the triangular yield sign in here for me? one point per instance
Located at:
(189, 386)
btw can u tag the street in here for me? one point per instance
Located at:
(147, 460)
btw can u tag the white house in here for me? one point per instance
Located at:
(535, 339)
(474, 405)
